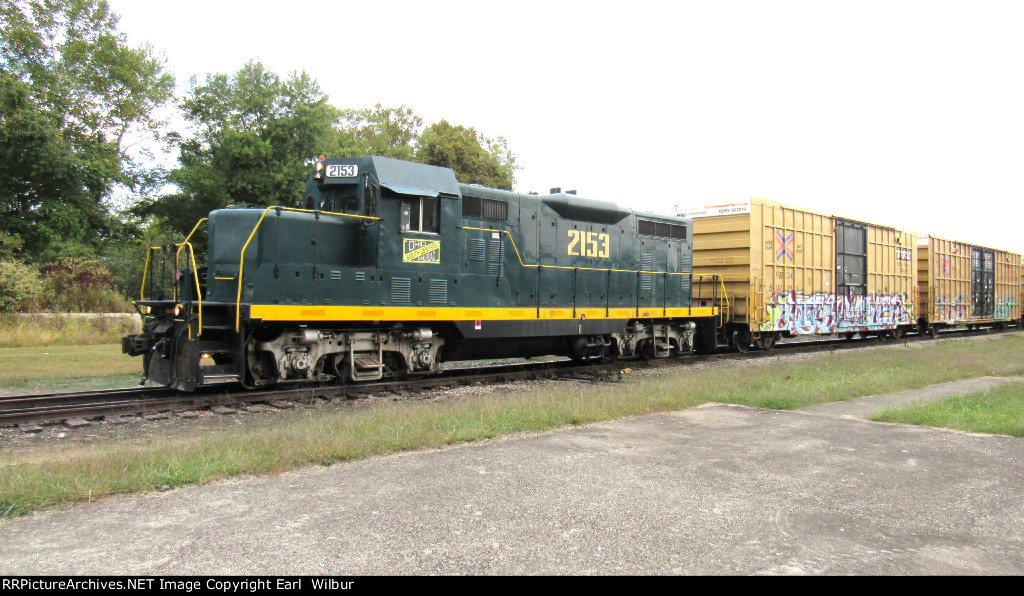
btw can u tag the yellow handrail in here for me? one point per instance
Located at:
(725, 313)
(181, 246)
(145, 272)
(241, 260)
(199, 293)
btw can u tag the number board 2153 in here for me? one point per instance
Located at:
(342, 171)
(588, 244)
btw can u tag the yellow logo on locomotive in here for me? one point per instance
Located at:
(421, 251)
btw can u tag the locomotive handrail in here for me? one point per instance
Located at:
(726, 313)
(182, 245)
(241, 260)
(195, 273)
(145, 272)
(199, 293)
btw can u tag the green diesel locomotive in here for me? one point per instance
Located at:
(392, 267)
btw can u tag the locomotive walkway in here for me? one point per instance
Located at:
(714, 489)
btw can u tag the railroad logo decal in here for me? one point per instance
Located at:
(421, 251)
(786, 244)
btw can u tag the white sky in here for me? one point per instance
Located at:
(900, 113)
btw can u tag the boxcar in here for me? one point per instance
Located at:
(790, 271)
(962, 284)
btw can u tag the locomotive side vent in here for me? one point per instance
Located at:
(401, 289)
(439, 291)
(336, 275)
(477, 249)
(685, 266)
(646, 264)
(495, 258)
(360, 276)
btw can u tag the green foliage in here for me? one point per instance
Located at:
(475, 158)
(21, 286)
(70, 92)
(388, 132)
(81, 285)
(254, 131)
(10, 245)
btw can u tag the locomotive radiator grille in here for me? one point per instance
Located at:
(401, 289)
(685, 266)
(477, 249)
(646, 264)
(439, 291)
(495, 258)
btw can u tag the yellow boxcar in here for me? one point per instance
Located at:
(790, 271)
(965, 284)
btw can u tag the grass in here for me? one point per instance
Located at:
(47, 477)
(67, 368)
(34, 331)
(998, 411)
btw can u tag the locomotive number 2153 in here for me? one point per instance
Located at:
(588, 244)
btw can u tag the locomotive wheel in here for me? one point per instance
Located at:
(261, 371)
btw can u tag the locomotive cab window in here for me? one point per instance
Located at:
(337, 199)
(421, 214)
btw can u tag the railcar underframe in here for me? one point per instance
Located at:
(262, 353)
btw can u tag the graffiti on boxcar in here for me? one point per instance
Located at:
(1005, 308)
(952, 309)
(800, 313)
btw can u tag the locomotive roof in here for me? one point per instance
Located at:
(406, 177)
(569, 206)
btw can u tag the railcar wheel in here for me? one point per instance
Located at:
(766, 341)
(848, 335)
(897, 333)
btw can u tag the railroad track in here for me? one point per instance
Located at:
(28, 411)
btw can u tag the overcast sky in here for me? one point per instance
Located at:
(901, 113)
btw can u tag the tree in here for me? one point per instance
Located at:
(253, 134)
(388, 132)
(72, 94)
(475, 158)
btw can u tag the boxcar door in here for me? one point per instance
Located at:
(983, 282)
(851, 258)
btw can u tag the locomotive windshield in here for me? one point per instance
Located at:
(335, 198)
(356, 196)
